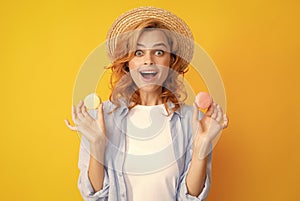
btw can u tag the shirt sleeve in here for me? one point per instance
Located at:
(183, 194)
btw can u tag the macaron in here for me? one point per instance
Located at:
(203, 100)
(92, 101)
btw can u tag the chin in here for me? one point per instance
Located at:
(151, 88)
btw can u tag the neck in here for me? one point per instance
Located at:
(151, 98)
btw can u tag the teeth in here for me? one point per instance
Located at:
(148, 72)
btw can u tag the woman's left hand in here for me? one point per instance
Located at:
(207, 129)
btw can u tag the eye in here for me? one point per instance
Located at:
(138, 53)
(159, 52)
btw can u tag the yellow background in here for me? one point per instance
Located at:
(255, 45)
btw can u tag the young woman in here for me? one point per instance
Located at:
(145, 143)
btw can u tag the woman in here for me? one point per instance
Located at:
(145, 143)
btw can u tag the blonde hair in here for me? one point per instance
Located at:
(122, 85)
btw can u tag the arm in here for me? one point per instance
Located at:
(190, 189)
(204, 131)
(196, 175)
(93, 177)
(86, 185)
(96, 167)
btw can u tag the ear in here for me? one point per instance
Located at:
(173, 59)
(126, 68)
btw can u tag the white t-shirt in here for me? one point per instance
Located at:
(150, 165)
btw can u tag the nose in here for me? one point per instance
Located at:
(148, 60)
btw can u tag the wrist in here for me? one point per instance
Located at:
(201, 149)
(97, 150)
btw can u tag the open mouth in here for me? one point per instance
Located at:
(148, 74)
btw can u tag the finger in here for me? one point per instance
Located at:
(78, 108)
(83, 111)
(219, 114)
(195, 119)
(80, 117)
(101, 117)
(73, 128)
(74, 116)
(210, 110)
(225, 121)
(215, 111)
(195, 113)
(86, 114)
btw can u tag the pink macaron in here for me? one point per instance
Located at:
(203, 100)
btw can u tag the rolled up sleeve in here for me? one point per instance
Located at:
(183, 194)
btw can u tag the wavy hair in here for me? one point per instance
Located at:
(122, 85)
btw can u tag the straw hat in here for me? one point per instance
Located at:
(132, 18)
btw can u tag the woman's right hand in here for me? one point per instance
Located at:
(92, 129)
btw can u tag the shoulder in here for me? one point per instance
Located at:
(185, 108)
(110, 108)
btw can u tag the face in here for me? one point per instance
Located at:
(149, 67)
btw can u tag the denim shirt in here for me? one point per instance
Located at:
(114, 186)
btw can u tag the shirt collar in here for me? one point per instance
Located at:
(123, 109)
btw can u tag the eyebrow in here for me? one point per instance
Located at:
(155, 45)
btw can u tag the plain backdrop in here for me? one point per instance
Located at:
(254, 44)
